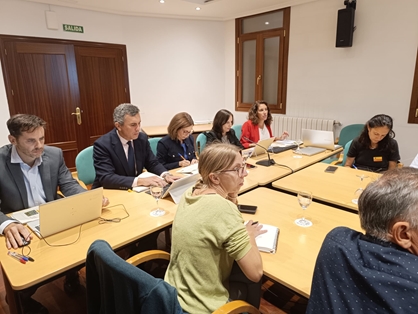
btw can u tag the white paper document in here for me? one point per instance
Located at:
(192, 169)
(285, 143)
(143, 175)
(27, 215)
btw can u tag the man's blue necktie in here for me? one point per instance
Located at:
(131, 159)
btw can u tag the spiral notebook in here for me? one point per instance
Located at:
(267, 242)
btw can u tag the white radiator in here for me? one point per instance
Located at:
(294, 125)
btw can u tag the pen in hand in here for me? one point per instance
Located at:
(254, 223)
(182, 156)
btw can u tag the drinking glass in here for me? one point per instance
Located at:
(360, 190)
(298, 143)
(156, 192)
(356, 196)
(304, 199)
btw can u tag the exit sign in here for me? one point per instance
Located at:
(73, 28)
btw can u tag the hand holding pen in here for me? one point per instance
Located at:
(184, 162)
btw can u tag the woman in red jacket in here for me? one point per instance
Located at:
(257, 127)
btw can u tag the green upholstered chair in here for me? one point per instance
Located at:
(153, 141)
(348, 133)
(85, 166)
(342, 159)
(200, 142)
(237, 128)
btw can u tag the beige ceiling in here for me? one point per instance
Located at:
(186, 9)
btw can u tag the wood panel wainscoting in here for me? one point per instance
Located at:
(73, 85)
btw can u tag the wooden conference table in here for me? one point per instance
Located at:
(336, 188)
(51, 262)
(264, 175)
(293, 263)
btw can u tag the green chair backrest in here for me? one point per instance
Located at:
(349, 132)
(237, 128)
(346, 148)
(85, 166)
(200, 142)
(153, 141)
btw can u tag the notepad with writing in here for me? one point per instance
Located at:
(267, 242)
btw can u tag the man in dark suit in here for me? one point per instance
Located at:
(30, 175)
(121, 155)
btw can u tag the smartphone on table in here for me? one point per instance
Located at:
(247, 209)
(331, 169)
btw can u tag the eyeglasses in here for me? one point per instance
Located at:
(239, 170)
(186, 132)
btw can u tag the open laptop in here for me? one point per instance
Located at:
(178, 187)
(316, 141)
(264, 143)
(67, 212)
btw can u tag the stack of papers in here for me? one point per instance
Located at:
(285, 143)
(192, 169)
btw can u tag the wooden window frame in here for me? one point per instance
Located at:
(283, 34)
(413, 109)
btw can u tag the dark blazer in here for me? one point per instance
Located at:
(53, 171)
(232, 138)
(111, 165)
(168, 151)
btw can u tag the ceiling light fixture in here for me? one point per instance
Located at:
(267, 23)
(198, 9)
(162, 1)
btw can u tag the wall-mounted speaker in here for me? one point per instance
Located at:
(345, 27)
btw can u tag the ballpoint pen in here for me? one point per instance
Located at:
(16, 257)
(26, 258)
(182, 156)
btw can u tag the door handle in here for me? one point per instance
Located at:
(78, 114)
(258, 79)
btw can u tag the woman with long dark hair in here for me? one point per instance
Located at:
(375, 149)
(222, 129)
(258, 125)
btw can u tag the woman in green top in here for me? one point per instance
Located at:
(209, 236)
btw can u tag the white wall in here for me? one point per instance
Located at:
(174, 65)
(189, 65)
(350, 84)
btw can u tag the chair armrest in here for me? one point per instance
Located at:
(236, 307)
(148, 256)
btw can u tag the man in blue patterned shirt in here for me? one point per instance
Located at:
(376, 272)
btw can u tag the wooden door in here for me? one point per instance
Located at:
(53, 78)
(43, 81)
(103, 85)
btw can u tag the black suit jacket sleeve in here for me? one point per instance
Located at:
(112, 167)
